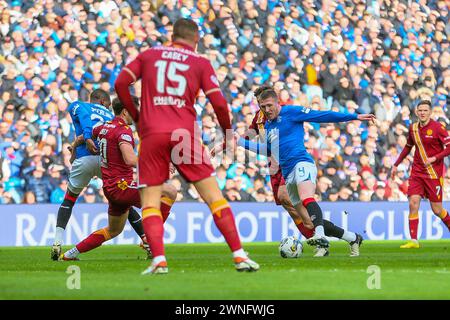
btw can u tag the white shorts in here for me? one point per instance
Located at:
(303, 171)
(83, 170)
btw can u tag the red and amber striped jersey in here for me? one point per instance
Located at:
(429, 141)
(258, 122)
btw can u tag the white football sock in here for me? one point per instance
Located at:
(158, 259)
(319, 231)
(239, 254)
(349, 236)
(59, 235)
(72, 253)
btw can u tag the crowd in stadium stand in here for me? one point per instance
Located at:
(352, 56)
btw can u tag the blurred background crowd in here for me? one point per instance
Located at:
(375, 56)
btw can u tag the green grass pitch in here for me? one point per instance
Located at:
(205, 271)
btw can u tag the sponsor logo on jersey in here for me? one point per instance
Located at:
(126, 137)
(272, 136)
(169, 101)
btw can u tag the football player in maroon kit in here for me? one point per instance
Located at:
(171, 78)
(118, 159)
(426, 180)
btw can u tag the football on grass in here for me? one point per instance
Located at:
(290, 247)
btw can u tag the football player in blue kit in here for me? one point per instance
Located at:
(285, 142)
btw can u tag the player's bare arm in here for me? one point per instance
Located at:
(128, 154)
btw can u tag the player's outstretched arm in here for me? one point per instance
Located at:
(302, 114)
(366, 117)
(123, 81)
(129, 75)
(406, 150)
(259, 148)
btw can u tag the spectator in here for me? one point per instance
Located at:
(379, 194)
(39, 185)
(57, 195)
(89, 196)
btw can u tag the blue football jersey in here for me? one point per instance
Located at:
(85, 117)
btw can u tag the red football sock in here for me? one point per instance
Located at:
(307, 233)
(224, 219)
(166, 205)
(445, 217)
(413, 225)
(154, 230)
(94, 240)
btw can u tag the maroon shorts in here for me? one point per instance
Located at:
(430, 189)
(277, 180)
(120, 200)
(187, 154)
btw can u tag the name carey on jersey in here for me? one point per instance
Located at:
(173, 55)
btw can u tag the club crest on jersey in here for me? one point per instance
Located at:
(122, 185)
(429, 132)
(306, 110)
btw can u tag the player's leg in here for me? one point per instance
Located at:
(439, 210)
(131, 196)
(154, 228)
(301, 218)
(434, 192)
(303, 177)
(413, 220)
(135, 220)
(153, 171)
(321, 243)
(224, 219)
(306, 227)
(195, 166)
(301, 189)
(83, 169)
(117, 217)
(354, 239)
(416, 190)
(169, 195)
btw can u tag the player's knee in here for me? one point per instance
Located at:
(114, 231)
(170, 191)
(284, 200)
(69, 200)
(414, 204)
(437, 209)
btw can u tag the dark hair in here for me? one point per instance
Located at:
(264, 92)
(117, 105)
(184, 29)
(424, 102)
(100, 96)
